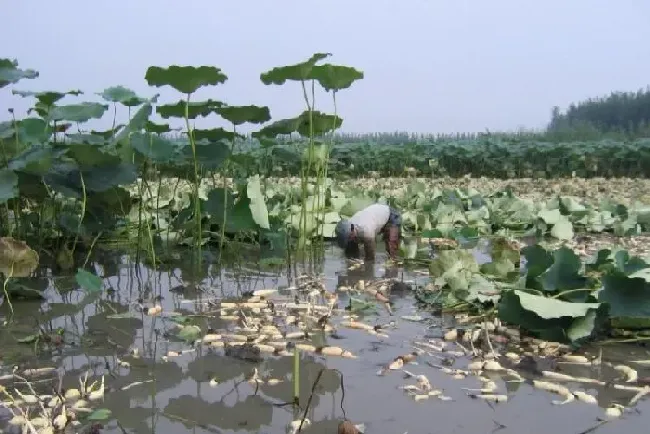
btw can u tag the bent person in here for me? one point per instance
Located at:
(363, 228)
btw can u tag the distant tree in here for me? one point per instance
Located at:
(626, 113)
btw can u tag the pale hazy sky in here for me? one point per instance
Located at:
(430, 66)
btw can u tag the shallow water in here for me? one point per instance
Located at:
(177, 397)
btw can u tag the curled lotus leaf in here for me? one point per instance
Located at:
(194, 109)
(10, 73)
(241, 114)
(298, 72)
(81, 112)
(46, 98)
(17, 259)
(322, 123)
(185, 79)
(122, 95)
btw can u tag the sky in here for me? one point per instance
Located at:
(430, 66)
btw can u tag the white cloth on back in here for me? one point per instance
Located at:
(369, 221)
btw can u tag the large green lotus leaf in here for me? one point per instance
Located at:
(46, 98)
(8, 185)
(194, 109)
(562, 229)
(550, 318)
(88, 156)
(33, 131)
(628, 264)
(153, 127)
(297, 72)
(240, 217)
(81, 112)
(456, 259)
(241, 114)
(36, 160)
(322, 123)
(185, 79)
(565, 273)
(89, 139)
(335, 77)
(214, 135)
(153, 147)
(210, 155)
(214, 205)
(538, 260)
(108, 176)
(285, 154)
(10, 73)
(17, 259)
(104, 207)
(122, 95)
(628, 297)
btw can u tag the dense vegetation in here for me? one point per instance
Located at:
(625, 113)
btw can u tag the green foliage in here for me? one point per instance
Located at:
(624, 112)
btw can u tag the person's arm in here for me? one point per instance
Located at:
(391, 238)
(369, 248)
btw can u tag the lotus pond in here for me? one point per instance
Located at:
(158, 285)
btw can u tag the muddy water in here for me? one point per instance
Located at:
(177, 396)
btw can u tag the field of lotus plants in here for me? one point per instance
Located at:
(518, 259)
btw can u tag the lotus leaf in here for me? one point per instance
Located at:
(298, 72)
(122, 95)
(10, 73)
(81, 112)
(241, 114)
(550, 318)
(194, 109)
(185, 79)
(335, 77)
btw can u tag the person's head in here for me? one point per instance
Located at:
(345, 233)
